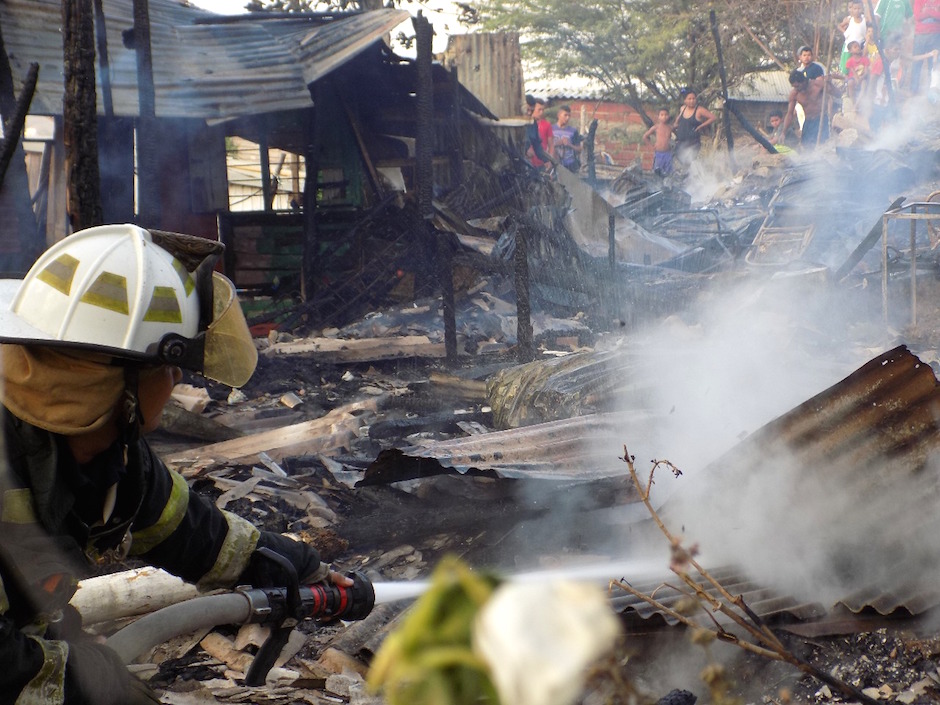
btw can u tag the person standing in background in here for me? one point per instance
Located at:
(690, 122)
(926, 39)
(566, 140)
(854, 28)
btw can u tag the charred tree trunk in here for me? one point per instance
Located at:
(14, 188)
(148, 179)
(81, 115)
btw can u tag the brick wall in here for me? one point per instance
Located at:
(619, 129)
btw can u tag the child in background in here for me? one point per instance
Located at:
(784, 142)
(854, 28)
(857, 69)
(882, 110)
(871, 48)
(662, 144)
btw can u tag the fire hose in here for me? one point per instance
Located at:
(281, 608)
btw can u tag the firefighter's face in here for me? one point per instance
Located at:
(154, 390)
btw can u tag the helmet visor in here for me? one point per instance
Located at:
(230, 355)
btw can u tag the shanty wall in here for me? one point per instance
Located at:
(490, 66)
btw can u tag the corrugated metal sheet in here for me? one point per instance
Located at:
(571, 449)
(874, 437)
(770, 606)
(490, 66)
(762, 87)
(567, 88)
(875, 434)
(206, 69)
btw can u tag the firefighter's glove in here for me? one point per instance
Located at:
(94, 675)
(302, 556)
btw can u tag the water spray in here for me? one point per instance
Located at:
(597, 573)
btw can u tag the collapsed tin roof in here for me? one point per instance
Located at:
(205, 65)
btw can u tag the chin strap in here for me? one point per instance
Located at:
(130, 419)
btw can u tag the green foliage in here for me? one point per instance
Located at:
(429, 659)
(647, 50)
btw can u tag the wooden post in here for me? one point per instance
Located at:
(435, 246)
(520, 262)
(81, 115)
(729, 138)
(148, 174)
(311, 245)
(263, 152)
(456, 142)
(589, 149)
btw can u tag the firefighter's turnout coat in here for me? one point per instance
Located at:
(57, 517)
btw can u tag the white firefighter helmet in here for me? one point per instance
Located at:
(134, 294)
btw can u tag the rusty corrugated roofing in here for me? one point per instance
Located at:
(874, 438)
(878, 428)
(206, 69)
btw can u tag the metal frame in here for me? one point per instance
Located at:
(906, 212)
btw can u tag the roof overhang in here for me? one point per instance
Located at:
(204, 65)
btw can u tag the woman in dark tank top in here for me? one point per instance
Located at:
(690, 122)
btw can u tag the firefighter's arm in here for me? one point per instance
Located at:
(54, 672)
(187, 535)
(22, 658)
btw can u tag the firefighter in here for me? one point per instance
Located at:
(93, 340)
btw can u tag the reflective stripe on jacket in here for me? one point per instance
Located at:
(46, 544)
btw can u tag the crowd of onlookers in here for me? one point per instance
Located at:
(887, 57)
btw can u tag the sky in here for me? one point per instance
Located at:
(441, 13)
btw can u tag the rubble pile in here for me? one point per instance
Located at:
(357, 435)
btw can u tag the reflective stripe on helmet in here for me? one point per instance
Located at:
(239, 544)
(110, 288)
(133, 294)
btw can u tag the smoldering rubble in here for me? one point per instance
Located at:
(776, 342)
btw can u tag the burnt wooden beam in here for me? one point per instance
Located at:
(724, 85)
(148, 174)
(13, 127)
(520, 260)
(80, 118)
(440, 246)
(311, 246)
(732, 106)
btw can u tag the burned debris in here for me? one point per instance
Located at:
(454, 350)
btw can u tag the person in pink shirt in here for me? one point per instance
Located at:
(926, 38)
